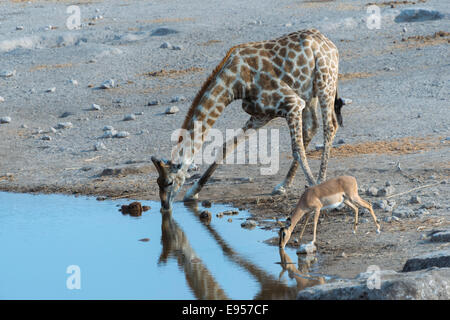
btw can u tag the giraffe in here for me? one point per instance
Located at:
(286, 77)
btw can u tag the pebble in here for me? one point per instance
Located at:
(178, 99)
(166, 45)
(2, 99)
(230, 212)
(66, 114)
(19, 28)
(99, 146)
(95, 107)
(46, 138)
(5, 120)
(122, 134)
(129, 117)
(64, 125)
(7, 73)
(106, 128)
(219, 215)
(341, 141)
(386, 191)
(53, 89)
(153, 103)
(109, 134)
(177, 48)
(172, 110)
(52, 130)
(415, 200)
(73, 81)
(404, 29)
(372, 191)
(249, 224)
(108, 84)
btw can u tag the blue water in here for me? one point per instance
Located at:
(42, 235)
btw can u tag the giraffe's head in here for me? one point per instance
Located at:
(171, 179)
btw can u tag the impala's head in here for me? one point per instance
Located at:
(171, 179)
(284, 234)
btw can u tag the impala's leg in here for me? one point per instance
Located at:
(363, 203)
(309, 129)
(304, 227)
(228, 147)
(316, 220)
(355, 210)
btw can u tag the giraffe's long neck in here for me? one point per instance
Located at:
(205, 110)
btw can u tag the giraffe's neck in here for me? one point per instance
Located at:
(205, 110)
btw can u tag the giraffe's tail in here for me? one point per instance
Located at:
(338, 104)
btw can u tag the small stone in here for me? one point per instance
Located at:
(388, 184)
(106, 128)
(7, 73)
(249, 224)
(109, 134)
(166, 45)
(24, 126)
(219, 215)
(139, 113)
(99, 146)
(206, 204)
(20, 28)
(5, 120)
(177, 48)
(372, 191)
(178, 99)
(2, 99)
(129, 117)
(230, 212)
(153, 103)
(404, 29)
(343, 255)
(341, 141)
(144, 240)
(108, 84)
(52, 130)
(230, 220)
(46, 138)
(288, 25)
(205, 216)
(415, 200)
(73, 82)
(95, 107)
(403, 212)
(172, 110)
(386, 191)
(53, 89)
(122, 134)
(64, 125)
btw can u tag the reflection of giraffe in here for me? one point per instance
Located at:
(271, 288)
(176, 244)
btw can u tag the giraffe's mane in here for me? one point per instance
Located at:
(205, 86)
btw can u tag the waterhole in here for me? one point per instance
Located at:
(67, 247)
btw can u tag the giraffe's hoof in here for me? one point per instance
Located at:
(278, 190)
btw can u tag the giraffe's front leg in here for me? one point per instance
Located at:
(228, 147)
(309, 128)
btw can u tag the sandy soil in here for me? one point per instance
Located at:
(397, 76)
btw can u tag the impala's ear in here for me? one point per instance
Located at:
(161, 166)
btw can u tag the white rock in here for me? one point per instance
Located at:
(19, 28)
(166, 45)
(172, 110)
(108, 84)
(52, 130)
(5, 120)
(64, 125)
(7, 73)
(106, 128)
(73, 81)
(129, 117)
(109, 134)
(95, 107)
(51, 89)
(307, 248)
(99, 146)
(122, 134)
(2, 99)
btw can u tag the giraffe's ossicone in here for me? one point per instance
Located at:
(285, 77)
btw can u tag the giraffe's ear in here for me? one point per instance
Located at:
(161, 166)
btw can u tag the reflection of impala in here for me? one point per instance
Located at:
(199, 278)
